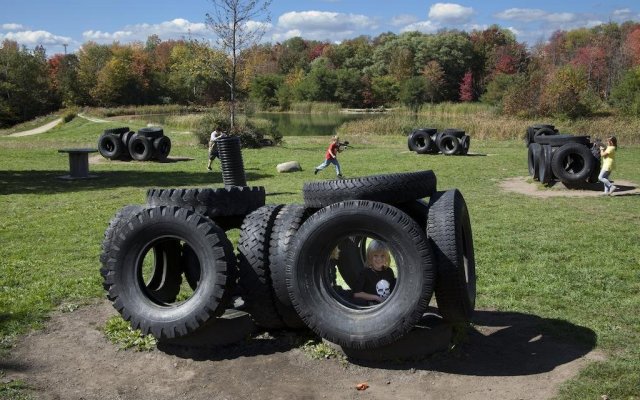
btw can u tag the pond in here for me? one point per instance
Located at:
(286, 124)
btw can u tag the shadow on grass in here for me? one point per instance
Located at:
(48, 182)
(507, 344)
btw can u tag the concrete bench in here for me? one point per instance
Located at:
(78, 163)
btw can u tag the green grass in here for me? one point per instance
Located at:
(34, 123)
(575, 260)
(119, 332)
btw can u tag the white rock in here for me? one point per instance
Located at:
(289, 166)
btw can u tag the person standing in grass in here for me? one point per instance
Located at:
(213, 146)
(608, 156)
(331, 157)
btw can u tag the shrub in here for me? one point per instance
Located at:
(626, 94)
(69, 115)
(208, 123)
(253, 132)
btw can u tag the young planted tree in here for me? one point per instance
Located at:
(237, 25)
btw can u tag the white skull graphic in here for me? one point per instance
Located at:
(383, 288)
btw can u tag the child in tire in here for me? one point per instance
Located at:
(376, 280)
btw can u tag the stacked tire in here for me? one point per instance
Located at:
(571, 159)
(295, 264)
(148, 143)
(448, 142)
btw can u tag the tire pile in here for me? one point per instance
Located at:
(169, 267)
(122, 144)
(430, 141)
(571, 159)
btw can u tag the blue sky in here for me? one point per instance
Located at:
(52, 23)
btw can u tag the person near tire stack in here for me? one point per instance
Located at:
(213, 148)
(608, 155)
(376, 281)
(331, 157)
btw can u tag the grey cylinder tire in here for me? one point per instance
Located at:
(336, 318)
(285, 227)
(389, 188)
(253, 263)
(449, 233)
(465, 143)
(151, 132)
(572, 163)
(459, 133)
(129, 292)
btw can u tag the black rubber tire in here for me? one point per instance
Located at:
(449, 144)
(117, 131)
(559, 140)
(126, 138)
(421, 140)
(533, 157)
(593, 177)
(465, 143)
(545, 173)
(333, 317)
(213, 203)
(572, 163)
(151, 132)
(110, 146)
(112, 229)
(544, 131)
(388, 188)
(161, 147)
(253, 264)
(531, 131)
(459, 133)
(140, 148)
(129, 295)
(418, 210)
(285, 227)
(449, 233)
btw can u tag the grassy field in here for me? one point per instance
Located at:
(573, 262)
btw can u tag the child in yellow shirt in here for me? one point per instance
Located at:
(608, 156)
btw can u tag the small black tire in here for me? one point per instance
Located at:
(324, 310)
(128, 291)
(162, 147)
(545, 173)
(465, 143)
(459, 133)
(449, 144)
(572, 163)
(387, 188)
(219, 202)
(140, 148)
(421, 140)
(151, 132)
(533, 157)
(110, 146)
(449, 233)
(117, 131)
(559, 140)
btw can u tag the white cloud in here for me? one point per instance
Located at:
(322, 25)
(34, 38)
(173, 29)
(403, 20)
(450, 12)
(561, 17)
(522, 14)
(12, 27)
(422, 26)
(514, 31)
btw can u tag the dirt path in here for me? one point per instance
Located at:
(35, 131)
(506, 357)
(525, 185)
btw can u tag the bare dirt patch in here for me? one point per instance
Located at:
(507, 355)
(525, 185)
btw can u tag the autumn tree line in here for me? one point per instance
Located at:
(576, 73)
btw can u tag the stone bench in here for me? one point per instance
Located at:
(78, 163)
